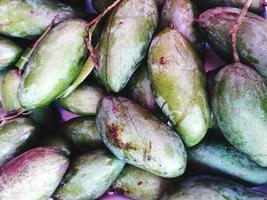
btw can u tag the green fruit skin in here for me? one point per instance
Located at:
(83, 100)
(90, 176)
(54, 64)
(139, 89)
(179, 85)
(212, 188)
(240, 107)
(251, 38)
(9, 52)
(15, 136)
(9, 90)
(256, 5)
(139, 184)
(34, 174)
(82, 133)
(181, 15)
(29, 18)
(136, 136)
(125, 41)
(220, 156)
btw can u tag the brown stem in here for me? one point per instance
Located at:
(235, 28)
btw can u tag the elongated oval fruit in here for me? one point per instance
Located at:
(251, 37)
(136, 136)
(34, 174)
(90, 176)
(54, 64)
(220, 156)
(240, 108)
(15, 136)
(9, 91)
(180, 15)
(9, 52)
(256, 5)
(139, 89)
(179, 85)
(83, 100)
(139, 184)
(212, 188)
(124, 41)
(82, 133)
(29, 18)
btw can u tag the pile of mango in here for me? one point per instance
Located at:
(148, 121)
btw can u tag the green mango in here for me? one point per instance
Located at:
(9, 90)
(218, 155)
(240, 107)
(15, 136)
(90, 176)
(211, 188)
(251, 36)
(34, 174)
(29, 18)
(180, 15)
(9, 51)
(54, 64)
(139, 184)
(125, 41)
(133, 134)
(83, 100)
(179, 85)
(139, 89)
(82, 133)
(256, 5)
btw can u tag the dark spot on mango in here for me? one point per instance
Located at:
(140, 183)
(163, 60)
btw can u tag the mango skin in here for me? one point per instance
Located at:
(212, 188)
(57, 57)
(125, 41)
(82, 132)
(90, 176)
(136, 136)
(32, 17)
(216, 24)
(34, 174)
(179, 85)
(256, 5)
(9, 90)
(83, 100)
(139, 184)
(180, 15)
(9, 52)
(15, 136)
(211, 153)
(240, 108)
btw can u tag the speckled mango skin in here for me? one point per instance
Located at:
(15, 136)
(82, 132)
(251, 38)
(9, 89)
(256, 5)
(90, 176)
(136, 136)
(179, 85)
(34, 174)
(29, 18)
(219, 155)
(9, 52)
(54, 64)
(181, 15)
(125, 41)
(136, 183)
(240, 107)
(83, 100)
(212, 188)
